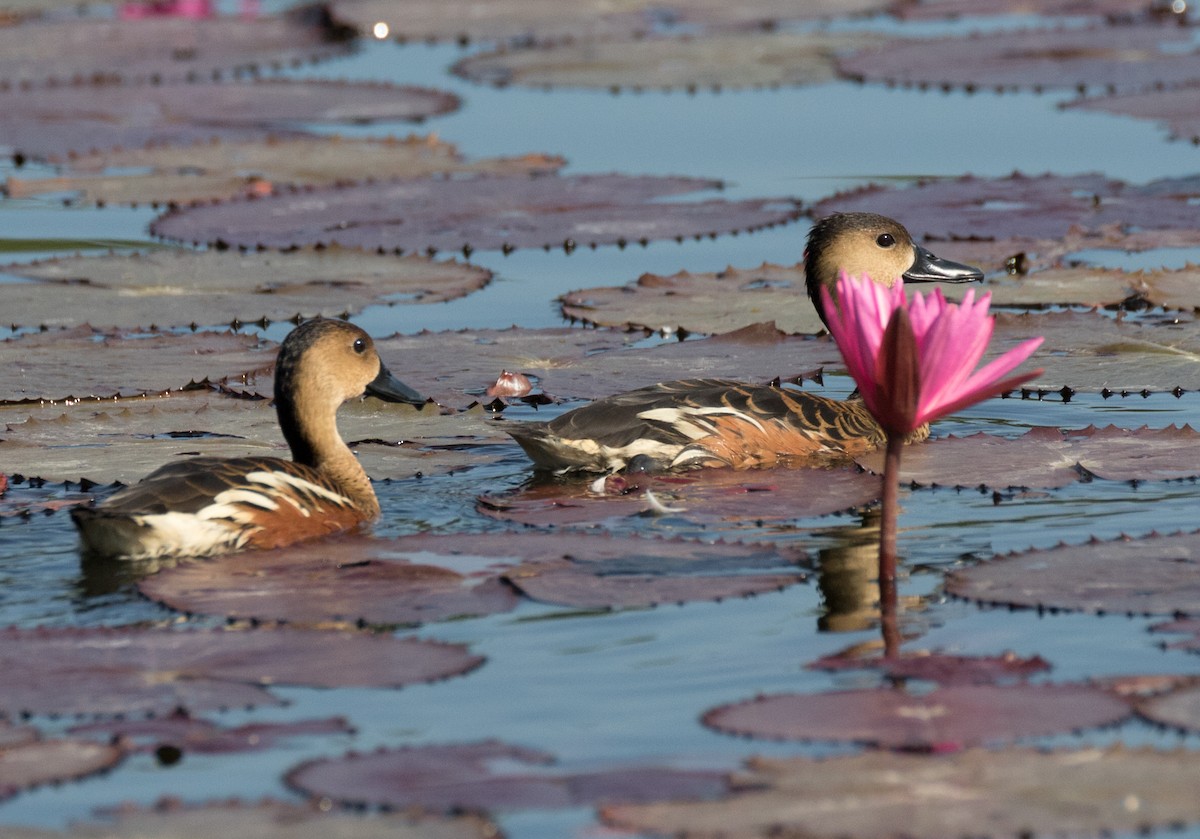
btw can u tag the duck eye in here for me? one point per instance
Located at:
(360, 346)
(885, 240)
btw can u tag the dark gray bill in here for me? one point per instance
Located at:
(390, 389)
(927, 268)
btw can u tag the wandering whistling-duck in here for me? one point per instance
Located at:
(210, 505)
(696, 423)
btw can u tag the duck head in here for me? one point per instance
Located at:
(876, 246)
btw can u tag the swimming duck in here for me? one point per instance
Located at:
(210, 505)
(697, 423)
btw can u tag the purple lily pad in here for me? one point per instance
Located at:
(161, 49)
(1178, 708)
(946, 719)
(462, 777)
(53, 124)
(1155, 575)
(347, 580)
(709, 497)
(27, 761)
(942, 668)
(1104, 9)
(1013, 792)
(182, 733)
(82, 362)
(481, 213)
(1032, 207)
(1125, 58)
(265, 819)
(1051, 457)
(1177, 108)
(139, 671)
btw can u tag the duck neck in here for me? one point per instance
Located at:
(315, 442)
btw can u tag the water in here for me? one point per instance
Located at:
(599, 689)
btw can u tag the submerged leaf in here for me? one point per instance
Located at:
(56, 123)
(483, 213)
(144, 671)
(1015, 792)
(461, 777)
(1156, 575)
(948, 718)
(167, 288)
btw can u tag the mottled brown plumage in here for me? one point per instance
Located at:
(697, 423)
(209, 505)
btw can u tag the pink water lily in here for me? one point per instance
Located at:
(906, 389)
(914, 362)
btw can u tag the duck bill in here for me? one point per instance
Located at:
(390, 389)
(928, 268)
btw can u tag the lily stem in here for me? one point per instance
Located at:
(890, 509)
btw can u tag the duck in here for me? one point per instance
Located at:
(702, 423)
(211, 505)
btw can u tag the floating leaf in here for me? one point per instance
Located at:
(1125, 58)
(170, 819)
(1016, 792)
(158, 49)
(481, 213)
(168, 288)
(1177, 108)
(55, 123)
(461, 777)
(948, 718)
(1104, 9)
(142, 671)
(183, 734)
(941, 668)
(705, 303)
(84, 362)
(1178, 708)
(1031, 207)
(346, 580)
(541, 21)
(733, 60)
(707, 497)
(27, 761)
(1066, 286)
(127, 440)
(1151, 576)
(209, 171)
(1050, 457)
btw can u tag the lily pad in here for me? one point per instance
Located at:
(708, 497)
(209, 171)
(1034, 207)
(948, 718)
(262, 820)
(1175, 108)
(1118, 58)
(1068, 286)
(1015, 792)
(83, 362)
(1155, 575)
(112, 672)
(485, 212)
(349, 580)
(55, 123)
(1177, 708)
(942, 668)
(732, 60)
(461, 777)
(179, 734)
(1051, 457)
(1103, 9)
(28, 761)
(161, 49)
(165, 288)
(542, 21)
(700, 303)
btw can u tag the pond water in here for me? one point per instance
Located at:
(597, 689)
